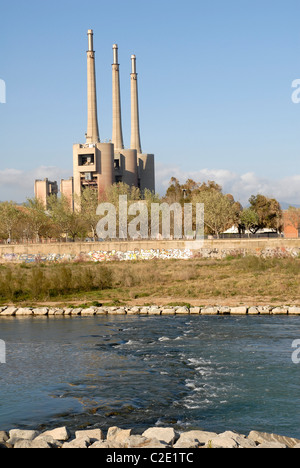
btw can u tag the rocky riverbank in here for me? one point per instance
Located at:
(152, 438)
(12, 311)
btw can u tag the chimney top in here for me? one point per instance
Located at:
(115, 52)
(133, 64)
(90, 37)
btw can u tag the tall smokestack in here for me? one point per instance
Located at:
(117, 136)
(92, 135)
(135, 124)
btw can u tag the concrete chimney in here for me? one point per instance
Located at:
(92, 135)
(135, 124)
(117, 135)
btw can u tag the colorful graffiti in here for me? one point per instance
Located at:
(100, 256)
(37, 258)
(149, 254)
(163, 254)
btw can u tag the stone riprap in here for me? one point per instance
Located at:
(152, 438)
(12, 311)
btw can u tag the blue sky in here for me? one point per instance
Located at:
(215, 81)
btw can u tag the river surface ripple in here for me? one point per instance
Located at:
(214, 373)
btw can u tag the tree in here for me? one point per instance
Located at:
(249, 220)
(183, 193)
(69, 223)
(269, 213)
(88, 203)
(9, 214)
(219, 211)
(36, 217)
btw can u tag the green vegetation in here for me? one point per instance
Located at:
(58, 221)
(196, 281)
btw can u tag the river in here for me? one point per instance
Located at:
(214, 373)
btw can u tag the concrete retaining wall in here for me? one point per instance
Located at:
(86, 247)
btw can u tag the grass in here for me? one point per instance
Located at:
(196, 281)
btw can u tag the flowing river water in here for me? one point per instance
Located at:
(214, 373)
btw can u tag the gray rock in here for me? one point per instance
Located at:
(101, 311)
(242, 310)
(9, 312)
(138, 441)
(22, 434)
(168, 311)
(50, 440)
(264, 437)
(154, 311)
(224, 310)
(87, 312)
(182, 310)
(189, 444)
(68, 311)
(271, 445)
(133, 310)
(253, 311)
(224, 440)
(202, 437)
(195, 310)
(76, 311)
(209, 311)
(24, 312)
(58, 312)
(94, 435)
(117, 435)
(264, 310)
(32, 444)
(41, 311)
(105, 444)
(3, 437)
(60, 433)
(165, 435)
(280, 310)
(294, 311)
(78, 443)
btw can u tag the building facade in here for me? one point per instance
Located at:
(98, 164)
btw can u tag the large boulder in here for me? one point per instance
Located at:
(264, 437)
(166, 435)
(78, 443)
(60, 433)
(41, 311)
(24, 311)
(32, 444)
(117, 435)
(9, 312)
(93, 434)
(200, 437)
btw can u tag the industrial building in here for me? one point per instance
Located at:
(97, 164)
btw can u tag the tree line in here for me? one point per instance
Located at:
(32, 222)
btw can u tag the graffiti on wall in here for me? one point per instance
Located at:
(100, 256)
(149, 254)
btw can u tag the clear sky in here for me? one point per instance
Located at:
(215, 87)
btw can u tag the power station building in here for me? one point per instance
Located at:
(97, 164)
